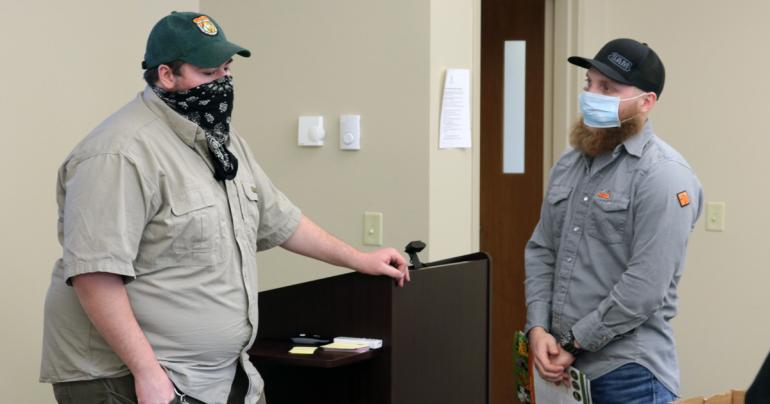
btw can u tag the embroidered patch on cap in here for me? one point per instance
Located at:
(603, 195)
(620, 61)
(205, 25)
(684, 199)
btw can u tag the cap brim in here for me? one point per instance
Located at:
(216, 54)
(601, 67)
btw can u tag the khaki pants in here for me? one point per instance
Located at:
(120, 390)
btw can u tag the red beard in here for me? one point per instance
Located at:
(596, 141)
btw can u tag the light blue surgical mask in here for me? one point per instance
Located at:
(601, 111)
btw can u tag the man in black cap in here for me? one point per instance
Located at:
(162, 209)
(604, 261)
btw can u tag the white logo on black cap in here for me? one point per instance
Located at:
(620, 61)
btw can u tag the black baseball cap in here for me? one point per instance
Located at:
(194, 38)
(628, 62)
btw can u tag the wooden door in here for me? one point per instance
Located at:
(510, 202)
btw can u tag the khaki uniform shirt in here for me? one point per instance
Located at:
(138, 198)
(608, 253)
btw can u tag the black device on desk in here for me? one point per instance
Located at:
(310, 339)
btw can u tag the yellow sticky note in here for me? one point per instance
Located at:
(303, 350)
(344, 346)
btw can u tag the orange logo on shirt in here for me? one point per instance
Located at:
(603, 195)
(684, 200)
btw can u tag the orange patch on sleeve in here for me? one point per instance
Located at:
(684, 199)
(603, 195)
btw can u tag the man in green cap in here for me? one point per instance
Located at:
(162, 209)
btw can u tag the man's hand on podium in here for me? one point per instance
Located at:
(385, 261)
(314, 242)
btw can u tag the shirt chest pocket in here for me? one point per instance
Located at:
(250, 210)
(558, 199)
(609, 214)
(196, 228)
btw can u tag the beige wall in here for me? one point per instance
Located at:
(712, 111)
(453, 174)
(384, 61)
(349, 57)
(66, 66)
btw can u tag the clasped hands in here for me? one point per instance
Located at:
(550, 359)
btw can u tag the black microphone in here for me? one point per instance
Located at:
(412, 249)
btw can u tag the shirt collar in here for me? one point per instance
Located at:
(635, 144)
(186, 129)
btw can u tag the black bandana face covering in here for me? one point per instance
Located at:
(209, 105)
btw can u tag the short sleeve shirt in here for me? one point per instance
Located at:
(137, 198)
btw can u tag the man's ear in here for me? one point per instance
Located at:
(166, 78)
(648, 102)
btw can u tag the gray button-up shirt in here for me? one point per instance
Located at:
(137, 198)
(609, 250)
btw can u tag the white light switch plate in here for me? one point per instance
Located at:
(311, 131)
(372, 228)
(350, 132)
(715, 216)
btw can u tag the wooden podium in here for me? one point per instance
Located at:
(435, 332)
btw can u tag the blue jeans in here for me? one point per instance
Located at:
(630, 384)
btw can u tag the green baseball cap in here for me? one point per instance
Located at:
(194, 38)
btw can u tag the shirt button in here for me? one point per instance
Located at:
(253, 189)
(569, 259)
(576, 229)
(585, 198)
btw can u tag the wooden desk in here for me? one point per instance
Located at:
(277, 353)
(435, 334)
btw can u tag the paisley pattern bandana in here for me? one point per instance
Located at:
(209, 105)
